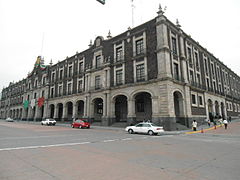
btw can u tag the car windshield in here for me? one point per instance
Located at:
(79, 121)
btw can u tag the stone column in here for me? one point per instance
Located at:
(55, 115)
(131, 111)
(155, 107)
(64, 112)
(85, 112)
(163, 51)
(37, 113)
(45, 111)
(183, 59)
(74, 115)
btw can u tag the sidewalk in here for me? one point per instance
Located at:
(201, 129)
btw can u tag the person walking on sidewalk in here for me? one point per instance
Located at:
(208, 122)
(225, 122)
(194, 125)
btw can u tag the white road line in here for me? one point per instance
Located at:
(44, 146)
(127, 139)
(110, 140)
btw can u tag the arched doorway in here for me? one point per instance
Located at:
(80, 109)
(121, 108)
(98, 109)
(223, 110)
(143, 106)
(52, 107)
(178, 104)
(69, 106)
(60, 111)
(217, 109)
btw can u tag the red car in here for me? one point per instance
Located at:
(79, 123)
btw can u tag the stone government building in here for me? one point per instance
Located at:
(153, 71)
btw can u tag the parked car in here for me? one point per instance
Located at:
(9, 119)
(79, 123)
(145, 127)
(48, 122)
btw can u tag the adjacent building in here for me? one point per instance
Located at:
(154, 71)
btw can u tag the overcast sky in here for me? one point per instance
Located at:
(67, 26)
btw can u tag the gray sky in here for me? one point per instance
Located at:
(68, 25)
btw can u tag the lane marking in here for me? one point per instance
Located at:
(74, 144)
(44, 146)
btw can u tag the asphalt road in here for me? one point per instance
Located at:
(32, 151)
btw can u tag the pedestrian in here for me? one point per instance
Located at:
(209, 122)
(194, 125)
(229, 119)
(215, 124)
(225, 122)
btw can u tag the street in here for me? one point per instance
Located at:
(32, 151)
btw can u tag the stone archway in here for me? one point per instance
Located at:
(80, 109)
(121, 108)
(178, 104)
(223, 110)
(69, 107)
(52, 109)
(217, 108)
(98, 109)
(143, 106)
(60, 111)
(210, 109)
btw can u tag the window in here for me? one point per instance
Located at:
(194, 101)
(35, 95)
(197, 61)
(119, 54)
(60, 90)
(139, 47)
(98, 61)
(174, 47)
(119, 79)
(53, 76)
(198, 79)
(70, 68)
(191, 76)
(175, 71)
(69, 88)
(99, 108)
(81, 67)
(140, 72)
(52, 92)
(44, 80)
(206, 66)
(61, 74)
(43, 93)
(97, 82)
(208, 85)
(200, 98)
(80, 86)
(212, 69)
(189, 51)
(36, 83)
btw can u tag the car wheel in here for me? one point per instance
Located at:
(79, 127)
(130, 131)
(42, 124)
(150, 133)
(72, 126)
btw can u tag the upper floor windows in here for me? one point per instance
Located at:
(189, 53)
(119, 77)
(140, 72)
(98, 61)
(174, 47)
(80, 85)
(61, 74)
(97, 82)
(70, 71)
(80, 67)
(119, 53)
(197, 61)
(53, 76)
(139, 47)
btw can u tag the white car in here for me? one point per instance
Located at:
(145, 127)
(48, 122)
(9, 119)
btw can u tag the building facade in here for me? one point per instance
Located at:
(153, 71)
